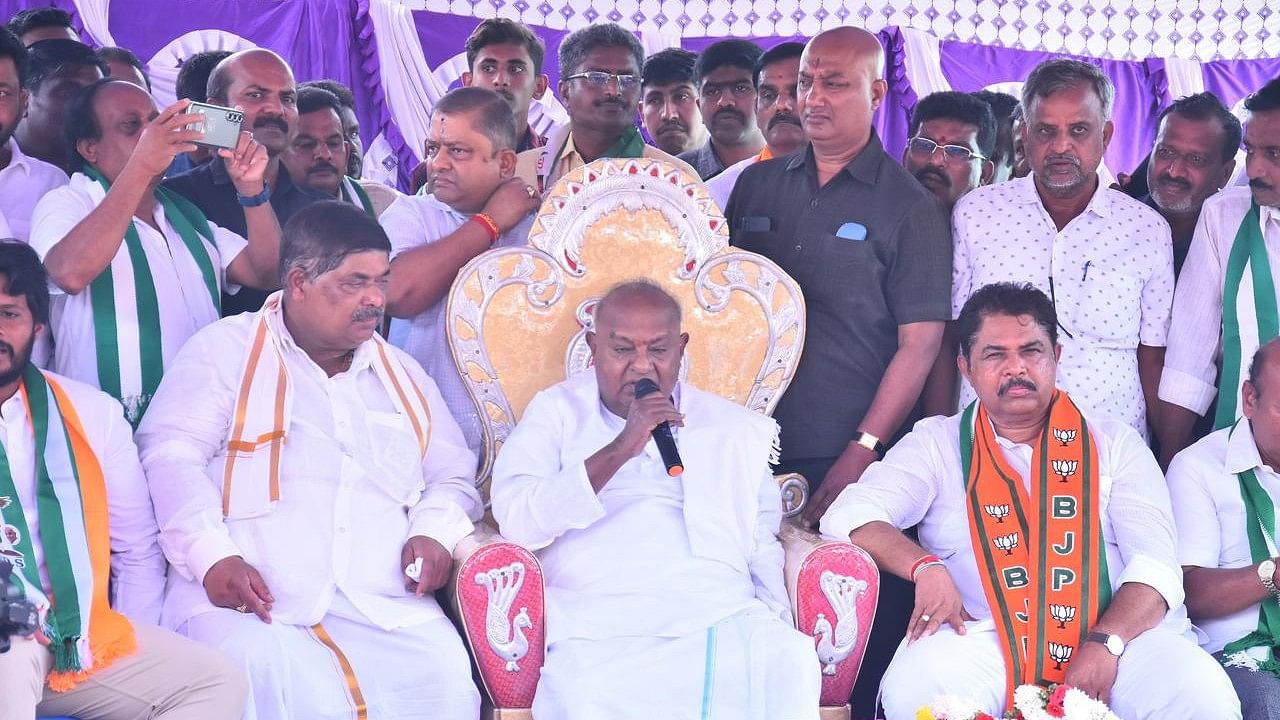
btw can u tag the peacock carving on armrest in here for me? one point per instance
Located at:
(504, 633)
(836, 644)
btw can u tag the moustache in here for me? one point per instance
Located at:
(781, 118)
(1260, 184)
(942, 177)
(611, 100)
(369, 313)
(270, 121)
(729, 112)
(673, 125)
(1167, 180)
(1071, 159)
(317, 167)
(1016, 382)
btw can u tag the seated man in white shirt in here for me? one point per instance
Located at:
(1224, 490)
(310, 486)
(139, 268)
(76, 524)
(665, 595)
(1046, 540)
(476, 203)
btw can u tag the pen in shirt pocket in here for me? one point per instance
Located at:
(1084, 275)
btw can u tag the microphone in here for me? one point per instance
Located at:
(662, 434)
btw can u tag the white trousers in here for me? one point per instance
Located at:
(1162, 676)
(325, 672)
(751, 666)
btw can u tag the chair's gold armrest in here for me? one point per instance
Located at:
(795, 493)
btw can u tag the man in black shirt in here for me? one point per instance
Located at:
(261, 83)
(871, 249)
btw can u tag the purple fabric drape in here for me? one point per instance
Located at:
(1233, 80)
(9, 8)
(969, 67)
(443, 35)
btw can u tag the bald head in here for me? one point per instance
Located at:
(851, 45)
(636, 296)
(1264, 365)
(260, 83)
(841, 85)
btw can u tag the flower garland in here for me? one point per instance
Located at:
(1030, 702)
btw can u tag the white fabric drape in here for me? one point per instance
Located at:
(924, 62)
(94, 14)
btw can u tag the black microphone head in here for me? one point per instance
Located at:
(645, 386)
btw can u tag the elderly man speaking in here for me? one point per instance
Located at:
(310, 486)
(665, 594)
(1046, 548)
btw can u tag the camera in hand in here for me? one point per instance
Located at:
(18, 616)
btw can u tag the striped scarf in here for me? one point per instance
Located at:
(264, 407)
(1256, 651)
(71, 502)
(1249, 316)
(126, 306)
(353, 193)
(1040, 554)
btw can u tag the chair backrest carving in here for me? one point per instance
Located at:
(518, 317)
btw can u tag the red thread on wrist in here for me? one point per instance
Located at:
(490, 226)
(920, 564)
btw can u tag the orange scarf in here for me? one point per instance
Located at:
(1041, 553)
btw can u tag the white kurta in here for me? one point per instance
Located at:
(413, 221)
(665, 596)
(184, 304)
(921, 481)
(137, 565)
(23, 182)
(353, 489)
(1211, 517)
(721, 186)
(1190, 377)
(1111, 270)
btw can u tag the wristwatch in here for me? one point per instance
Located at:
(250, 201)
(870, 442)
(1113, 643)
(1266, 571)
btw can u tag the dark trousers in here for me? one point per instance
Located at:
(897, 598)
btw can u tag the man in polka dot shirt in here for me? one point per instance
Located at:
(1104, 258)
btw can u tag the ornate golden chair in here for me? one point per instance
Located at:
(517, 323)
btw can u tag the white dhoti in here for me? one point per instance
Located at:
(330, 670)
(751, 666)
(1162, 675)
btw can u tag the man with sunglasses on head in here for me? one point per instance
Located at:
(600, 87)
(1103, 258)
(727, 101)
(953, 137)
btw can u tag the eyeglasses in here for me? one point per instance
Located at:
(600, 80)
(740, 90)
(957, 154)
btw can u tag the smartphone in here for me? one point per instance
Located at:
(221, 125)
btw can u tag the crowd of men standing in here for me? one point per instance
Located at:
(1162, 294)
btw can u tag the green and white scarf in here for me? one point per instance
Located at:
(1249, 316)
(354, 194)
(1260, 524)
(70, 501)
(126, 307)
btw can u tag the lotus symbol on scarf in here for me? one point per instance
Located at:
(836, 645)
(1060, 653)
(1065, 468)
(1064, 436)
(507, 642)
(1063, 614)
(1006, 542)
(999, 512)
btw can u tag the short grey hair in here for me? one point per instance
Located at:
(574, 48)
(1054, 76)
(641, 288)
(321, 235)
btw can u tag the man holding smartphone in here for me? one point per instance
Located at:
(137, 268)
(260, 84)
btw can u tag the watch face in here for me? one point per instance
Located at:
(1115, 645)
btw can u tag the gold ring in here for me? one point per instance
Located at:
(242, 608)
